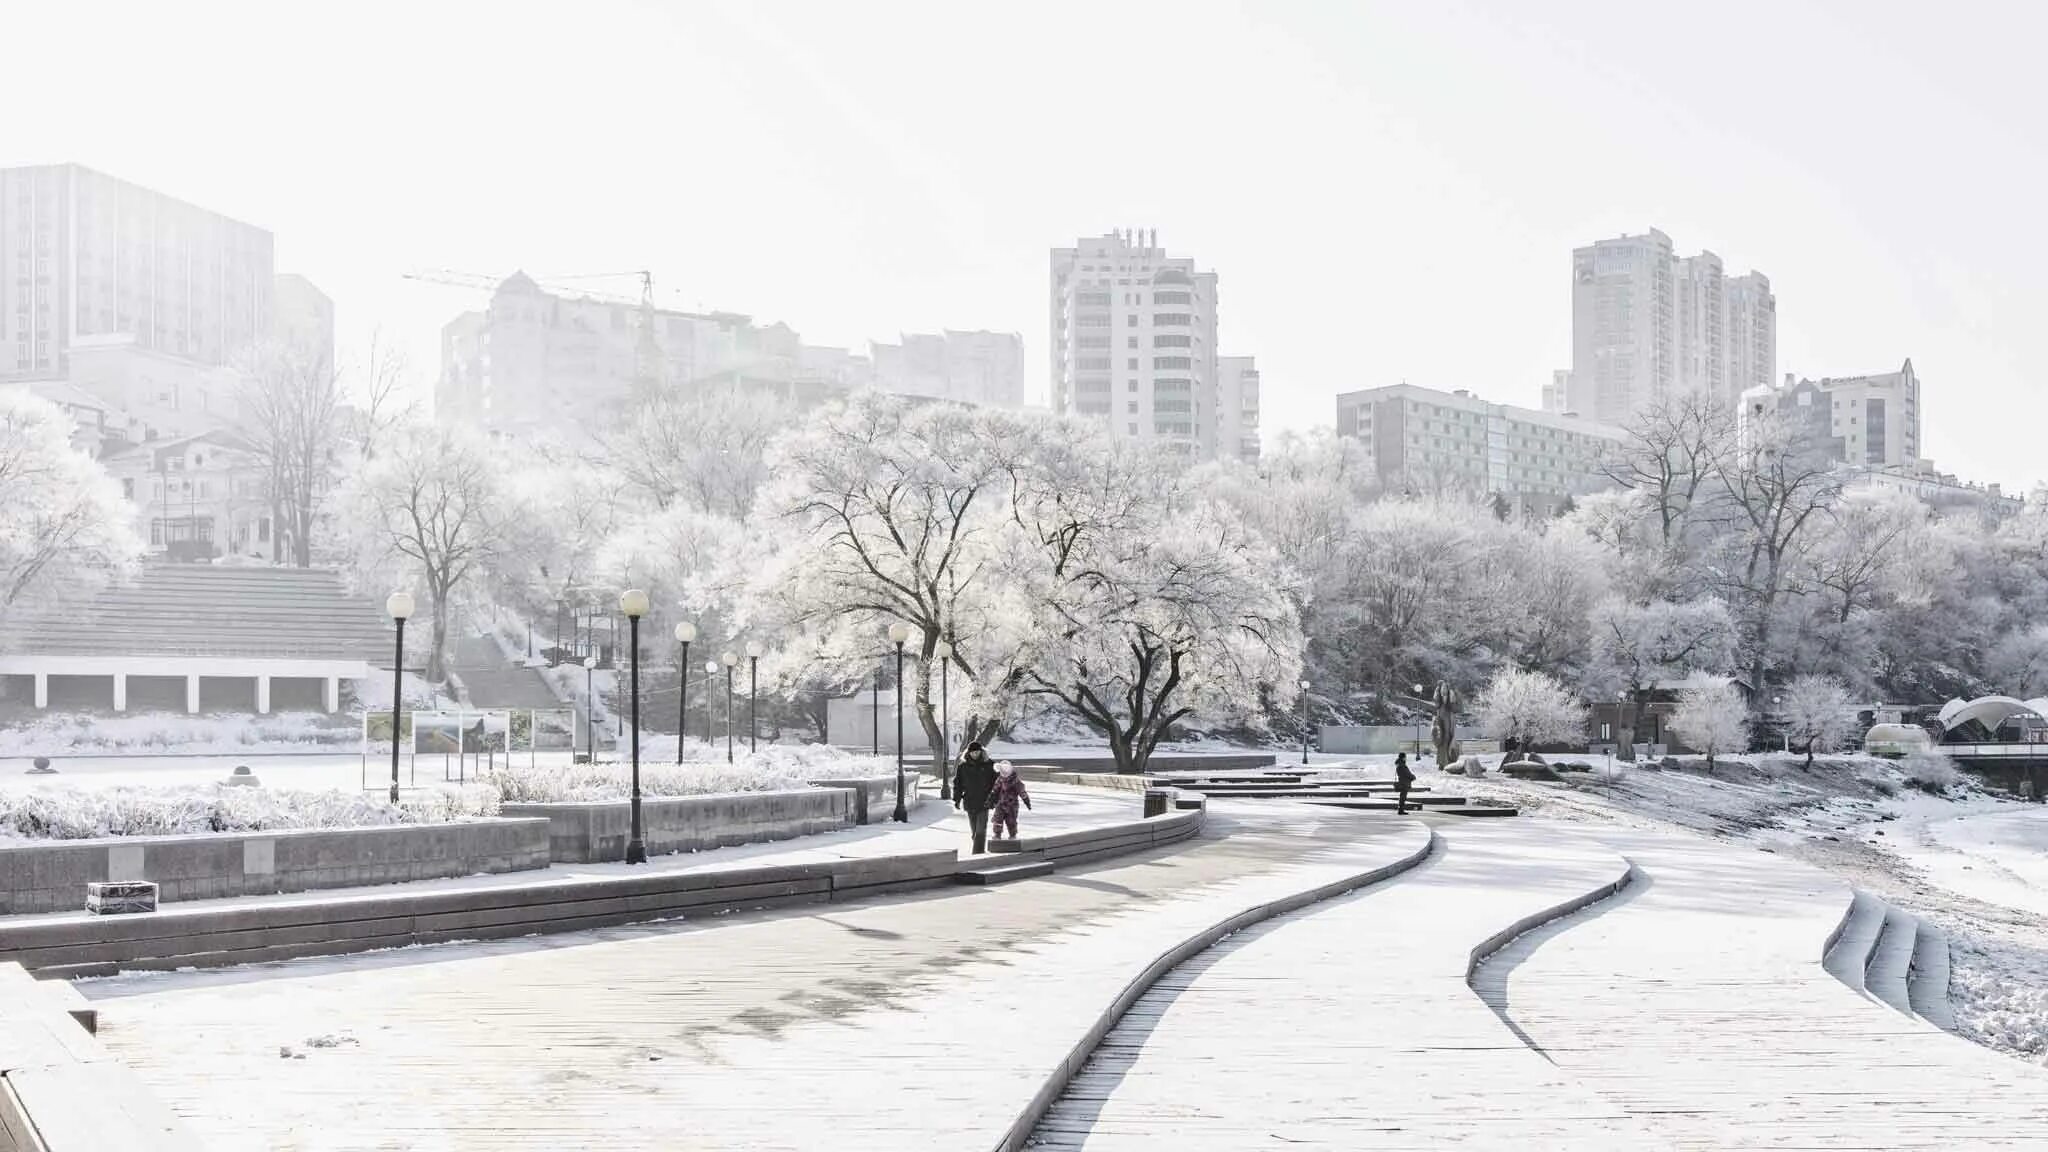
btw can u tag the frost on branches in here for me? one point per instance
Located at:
(1817, 714)
(1636, 647)
(1530, 708)
(1711, 716)
(64, 528)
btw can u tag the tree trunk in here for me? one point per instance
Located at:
(437, 669)
(1631, 716)
(1809, 755)
(928, 718)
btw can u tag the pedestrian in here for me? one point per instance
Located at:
(1404, 779)
(1009, 790)
(974, 783)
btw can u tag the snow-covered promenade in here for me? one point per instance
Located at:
(1690, 1010)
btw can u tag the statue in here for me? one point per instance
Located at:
(1443, 730)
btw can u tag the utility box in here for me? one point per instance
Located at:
(117, 897)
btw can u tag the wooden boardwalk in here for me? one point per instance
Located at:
(919, 1023)
(1350, 1025)
(1697, 1001)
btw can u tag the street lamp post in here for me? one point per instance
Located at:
(753, 695)
(1304, 723)
(944, 653)
(685, 632)
(634, 604)
(728, 659)
(400, 606)
(875, 707)
(1418, 726)
(899, 632)
(590, 709)
(710, 670)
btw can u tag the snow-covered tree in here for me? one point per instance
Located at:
(1711, 716)
(1817, 714)
(1636, 647)
(65, 531)
(1777, 484)
(290, 415)
(433, 504)
(1177, 610)
(707, 450)
(1530, 708)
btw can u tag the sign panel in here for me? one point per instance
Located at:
(436, 733)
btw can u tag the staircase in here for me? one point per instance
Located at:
(1306, 784)
(218, 610)
(1893, 957)
(491, 680)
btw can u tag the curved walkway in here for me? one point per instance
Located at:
(1350, 1025)
(927, 1022)
(1698, 1003)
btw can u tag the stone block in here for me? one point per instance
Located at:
(124, 862)
(259, 857)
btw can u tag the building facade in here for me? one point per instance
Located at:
(538, 362)
(1862, 421)
(197, 497)
(1134, 341)
(85, 256)
(1647, 323)
(1237, 407)
(1557, 393)
(980, 368)
(303, 320)
(1426, 440)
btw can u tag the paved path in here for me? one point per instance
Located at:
(1696, 1000)
(1350, 1025)
(921, 1023)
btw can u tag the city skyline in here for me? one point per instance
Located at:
(869, 209)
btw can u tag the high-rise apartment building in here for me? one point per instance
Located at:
(1752, 328)
(1134, 341)
(1557, 393)
(1426, 440)
(303, 319)
(1647, 323)
(1237, 407)
(89, 259)
(981, 368)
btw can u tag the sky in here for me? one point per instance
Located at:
(1387, 191)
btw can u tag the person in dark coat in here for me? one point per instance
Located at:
(1404, 779)
(974, 785)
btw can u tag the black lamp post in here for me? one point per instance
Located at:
(728, 659)
(634, 604)
(898, 633)
(944, 654)
(400, 605)
(875, 707)
(1304, 723)
(753, 695)
(685, 632)
(710, 671)
(590, 709)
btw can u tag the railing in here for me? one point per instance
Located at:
(2007, 751)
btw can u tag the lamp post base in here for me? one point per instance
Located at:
(636, 851)
(902, 813)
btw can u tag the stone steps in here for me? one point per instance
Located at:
(1927, 982)
(983, 877)
(1894, 957)
(1890, 958)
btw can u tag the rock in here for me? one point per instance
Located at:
(1473, 766)
(1574, 766)
(1454, 769)
(1528, 770)
(42, 767)
(241, 777)
(1531, 758)
(1669, 762)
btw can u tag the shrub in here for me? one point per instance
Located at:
(72, 813)
(1930, 771)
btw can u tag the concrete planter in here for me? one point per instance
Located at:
(874, 797)
(591, 831)
(51, 876)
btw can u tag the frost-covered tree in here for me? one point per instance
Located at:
(1817, 713)
(707, 450)
(2018, 664)
(433, 504)
(1138, 623)
(1636, 647)
(885, 510)
(290, 415)
(1777, 484)
(1711, 716)
(64, 529)
(1529, 708)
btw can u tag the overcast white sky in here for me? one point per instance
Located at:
(1387, 191)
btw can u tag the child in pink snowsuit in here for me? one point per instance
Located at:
(1008, 791)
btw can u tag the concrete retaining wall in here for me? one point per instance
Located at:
(1160, 762)
(583, 833)
(874, 797)
(51, 876)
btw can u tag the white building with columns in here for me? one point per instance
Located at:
(201, 637)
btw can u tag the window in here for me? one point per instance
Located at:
(1131, 407)
(1131, 386)
(1171, 363)
(1091, 342)
(1133, 428)
(1101, 362)
(1170, 340)
(1131, 321)
(1130, 341)
(1172, 319)
(1132, 364)
(128, 489)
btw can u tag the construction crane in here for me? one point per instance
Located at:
(647, 353)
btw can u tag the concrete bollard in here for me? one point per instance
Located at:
(1158, 802)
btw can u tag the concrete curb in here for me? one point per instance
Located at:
(1485, 949)
(1077, 1058)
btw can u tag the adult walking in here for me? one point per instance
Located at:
(974, 785)
(1404, 779)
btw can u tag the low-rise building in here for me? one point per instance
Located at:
(197, 497)
(980, 368)
(1426, 440)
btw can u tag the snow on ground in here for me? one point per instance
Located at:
(1974, 863)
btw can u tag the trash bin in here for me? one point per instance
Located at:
(1158, 802)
